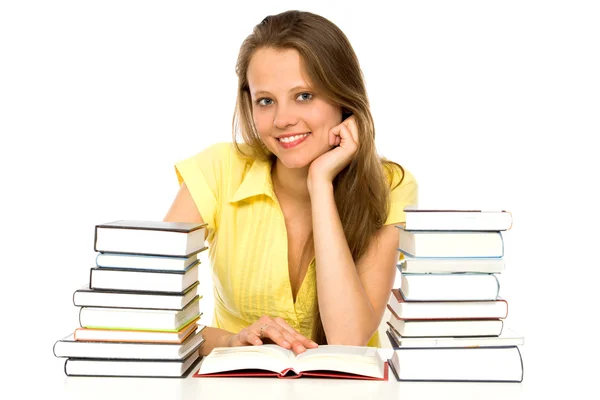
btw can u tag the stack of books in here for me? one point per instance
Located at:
(139, 313)
(447, 315)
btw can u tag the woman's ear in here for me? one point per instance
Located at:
(346, 113)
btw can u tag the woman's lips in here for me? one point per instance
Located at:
(294, 143)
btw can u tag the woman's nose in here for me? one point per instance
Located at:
(285, 116)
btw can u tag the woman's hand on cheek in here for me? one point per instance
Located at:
(344, 139)
(272, 330)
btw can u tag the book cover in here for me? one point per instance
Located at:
(435, 265)
(71, 348)
(447, 244)
(139, 319)
(417, 310)
(137, 336)
(155, 238)
(506, 338)
(446, 327)
(457, 220)
(448, 286)
(182, 227)
(131, 367)
(143, 280)
(146, 262)
(106, 298)
(457, 364)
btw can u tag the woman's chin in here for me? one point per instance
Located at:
(296, 165)
(294, 162)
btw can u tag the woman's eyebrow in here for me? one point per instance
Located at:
(295, 88)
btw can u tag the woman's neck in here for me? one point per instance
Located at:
(290, 182)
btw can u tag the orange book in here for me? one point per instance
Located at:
(70, 348)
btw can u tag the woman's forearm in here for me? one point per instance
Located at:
(214, 337)
(346, 311)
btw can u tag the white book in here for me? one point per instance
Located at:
(137, 261)
(86, 297)
(176, 239)
(446, 328)
(448, 244)
(456, 220)
(507, 337)
(485, 309)
(410, 264)
(137, 319)
(137, 368)
(451, 287)
(489, 364)
(144, 280)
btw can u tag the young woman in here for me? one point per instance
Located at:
(301, 215)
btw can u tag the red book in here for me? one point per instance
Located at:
(345, 362)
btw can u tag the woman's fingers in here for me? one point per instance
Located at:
(275, 330)
(247, 337)
(347, 130)
(253, 339)
(352, 128)
(299, 341)
(275, 333)
(342, 136)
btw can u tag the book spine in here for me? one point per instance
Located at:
(95, 238)
(497, 285)
(522, 367)
(153, 228)
(54, 348)
(79, 317)
(90, 280)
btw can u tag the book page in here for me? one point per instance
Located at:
(357, 360)
(269, 357)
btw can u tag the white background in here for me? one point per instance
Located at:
(489, 104)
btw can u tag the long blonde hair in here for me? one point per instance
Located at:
(361, 189)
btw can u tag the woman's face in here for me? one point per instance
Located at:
(292, 120)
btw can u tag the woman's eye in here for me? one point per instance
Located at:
(304, 96)
(263, 102)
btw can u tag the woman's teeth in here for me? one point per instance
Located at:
(291, 139)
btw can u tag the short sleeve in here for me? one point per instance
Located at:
(204, 175)
(402, 195)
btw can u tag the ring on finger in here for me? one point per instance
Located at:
(262, 330)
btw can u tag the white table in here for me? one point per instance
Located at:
(89, 388)
(273, 388)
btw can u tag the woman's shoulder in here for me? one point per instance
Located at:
(398, 175)
(224, 153)
(219, 150)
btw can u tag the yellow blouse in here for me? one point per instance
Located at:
(247, 239)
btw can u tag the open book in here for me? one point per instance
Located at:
(353, 362)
